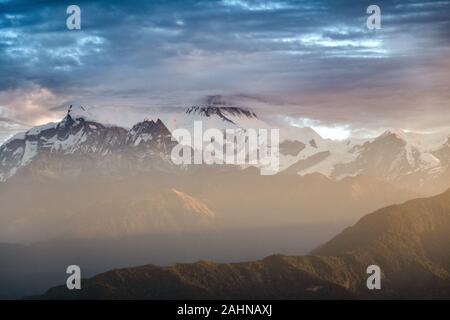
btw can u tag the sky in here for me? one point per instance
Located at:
(299, 62)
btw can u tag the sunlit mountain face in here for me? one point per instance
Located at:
(93, 98)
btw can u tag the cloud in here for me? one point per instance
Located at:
(310, 59)
(24, 107)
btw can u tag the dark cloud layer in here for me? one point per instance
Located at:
(313, 59)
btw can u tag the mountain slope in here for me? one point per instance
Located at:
(112, 196)
(410, 243)
(77, 135)
(418, 162)
(88, 205)
(70, 136)
(82, 160)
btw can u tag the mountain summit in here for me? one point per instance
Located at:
(224, 113)
(149, 132)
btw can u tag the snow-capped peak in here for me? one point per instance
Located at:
(149, 131)
(73, 134)
(80, 112)
(224, 113)
(424, 142)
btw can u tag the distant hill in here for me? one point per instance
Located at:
(410, 243)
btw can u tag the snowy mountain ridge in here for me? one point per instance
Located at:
(303, 151)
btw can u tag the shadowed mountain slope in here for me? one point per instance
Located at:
(409, 242)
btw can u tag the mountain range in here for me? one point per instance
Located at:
(418, 162)
(409, 242)
(86, 179)
(111, 197)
